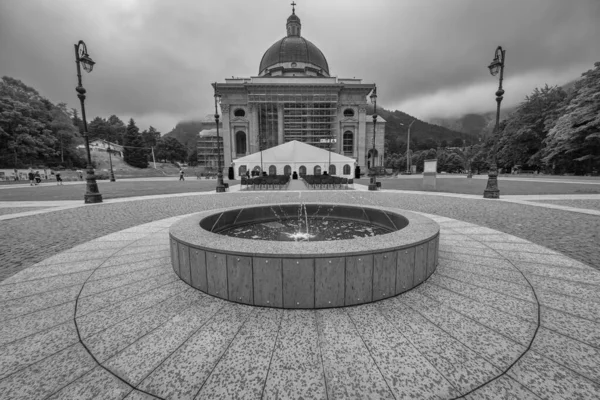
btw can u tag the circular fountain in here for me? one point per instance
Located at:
(304, 255)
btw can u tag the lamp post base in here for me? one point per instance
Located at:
(92, 194)
(112, 177)
(373, 183)
(492, 191)
(220, 184)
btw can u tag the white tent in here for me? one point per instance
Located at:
(295, 156)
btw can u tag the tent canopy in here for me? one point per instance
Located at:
(294, 152)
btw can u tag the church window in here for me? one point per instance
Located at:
(302, 170)
(272, 170)
(332, 169)
(240, 143)
(287, 170)
(348, 112)
(239, 112)
(348, 143)
(317, 170)
(346, 169)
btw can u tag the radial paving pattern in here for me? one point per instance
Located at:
(471, 330)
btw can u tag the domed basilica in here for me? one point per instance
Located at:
(294, 97)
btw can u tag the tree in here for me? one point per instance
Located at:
(573, 140)
(117, 130)
(134, 153)
(456, 142)
(193, 158)
(170, 149)
(521, 136)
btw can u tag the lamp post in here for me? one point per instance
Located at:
(373, 183)
(470, 160)
(497, 65)
(408, 172)
(92, 194)
(220, 185)
(112, 173)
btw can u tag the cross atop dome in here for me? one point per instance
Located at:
(293, 22)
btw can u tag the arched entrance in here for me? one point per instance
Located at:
(272, 170)
(332, 169)
(287, 170)
(302, 170)
(240, 143)
(317, 170)
(242, 170)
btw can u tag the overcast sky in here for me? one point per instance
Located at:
(156, 58)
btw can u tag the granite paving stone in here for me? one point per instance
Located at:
(575, 355)
(185, 371)
(114, 283)
(26, 305)
(17, 328)
(357, 357)
(572, 305)
(242, 371)
(115, 338)
(135, 362)
(503, 388)
(406, 370)
(39, 272)
(101, 319)
(581, 290)
(296, 369)
(24, 289)
(122, 293)
(47, 376)
(461, 366)
(508, 304)
(471, 259)
(519, 289)
(70, 257)
(96, 384)
(497, 349)
(508, 275)
(583, 330)
(106, 271)
(350, 371)
(584, 275)
(513, 327)
(33, 348)
(550, 380)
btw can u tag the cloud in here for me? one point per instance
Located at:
(481, 97)
(156, 58)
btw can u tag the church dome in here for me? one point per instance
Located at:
(294, 49)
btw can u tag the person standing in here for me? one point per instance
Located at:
(59, 180)
(181, 178)
(38, 178)
(31, 177)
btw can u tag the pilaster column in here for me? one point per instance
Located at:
(226, 134)
(360, 143)
(280, 129)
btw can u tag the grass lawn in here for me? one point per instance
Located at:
(477, 186)
(109, 190)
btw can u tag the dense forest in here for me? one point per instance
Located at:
(34, 132)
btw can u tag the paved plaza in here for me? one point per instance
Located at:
(91, 308)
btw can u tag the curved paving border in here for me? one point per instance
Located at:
(305, 275)
(474, 280)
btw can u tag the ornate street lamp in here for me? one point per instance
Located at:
(373, 183)
(112, 173)
(92, 194)
(408, 160)
(497, 65)
(220, 185)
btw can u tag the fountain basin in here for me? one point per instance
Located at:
(304, 275)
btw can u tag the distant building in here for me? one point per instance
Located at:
(103, 145)
(207, 149)
(294, 98)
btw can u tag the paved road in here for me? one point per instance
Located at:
(28, 240)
